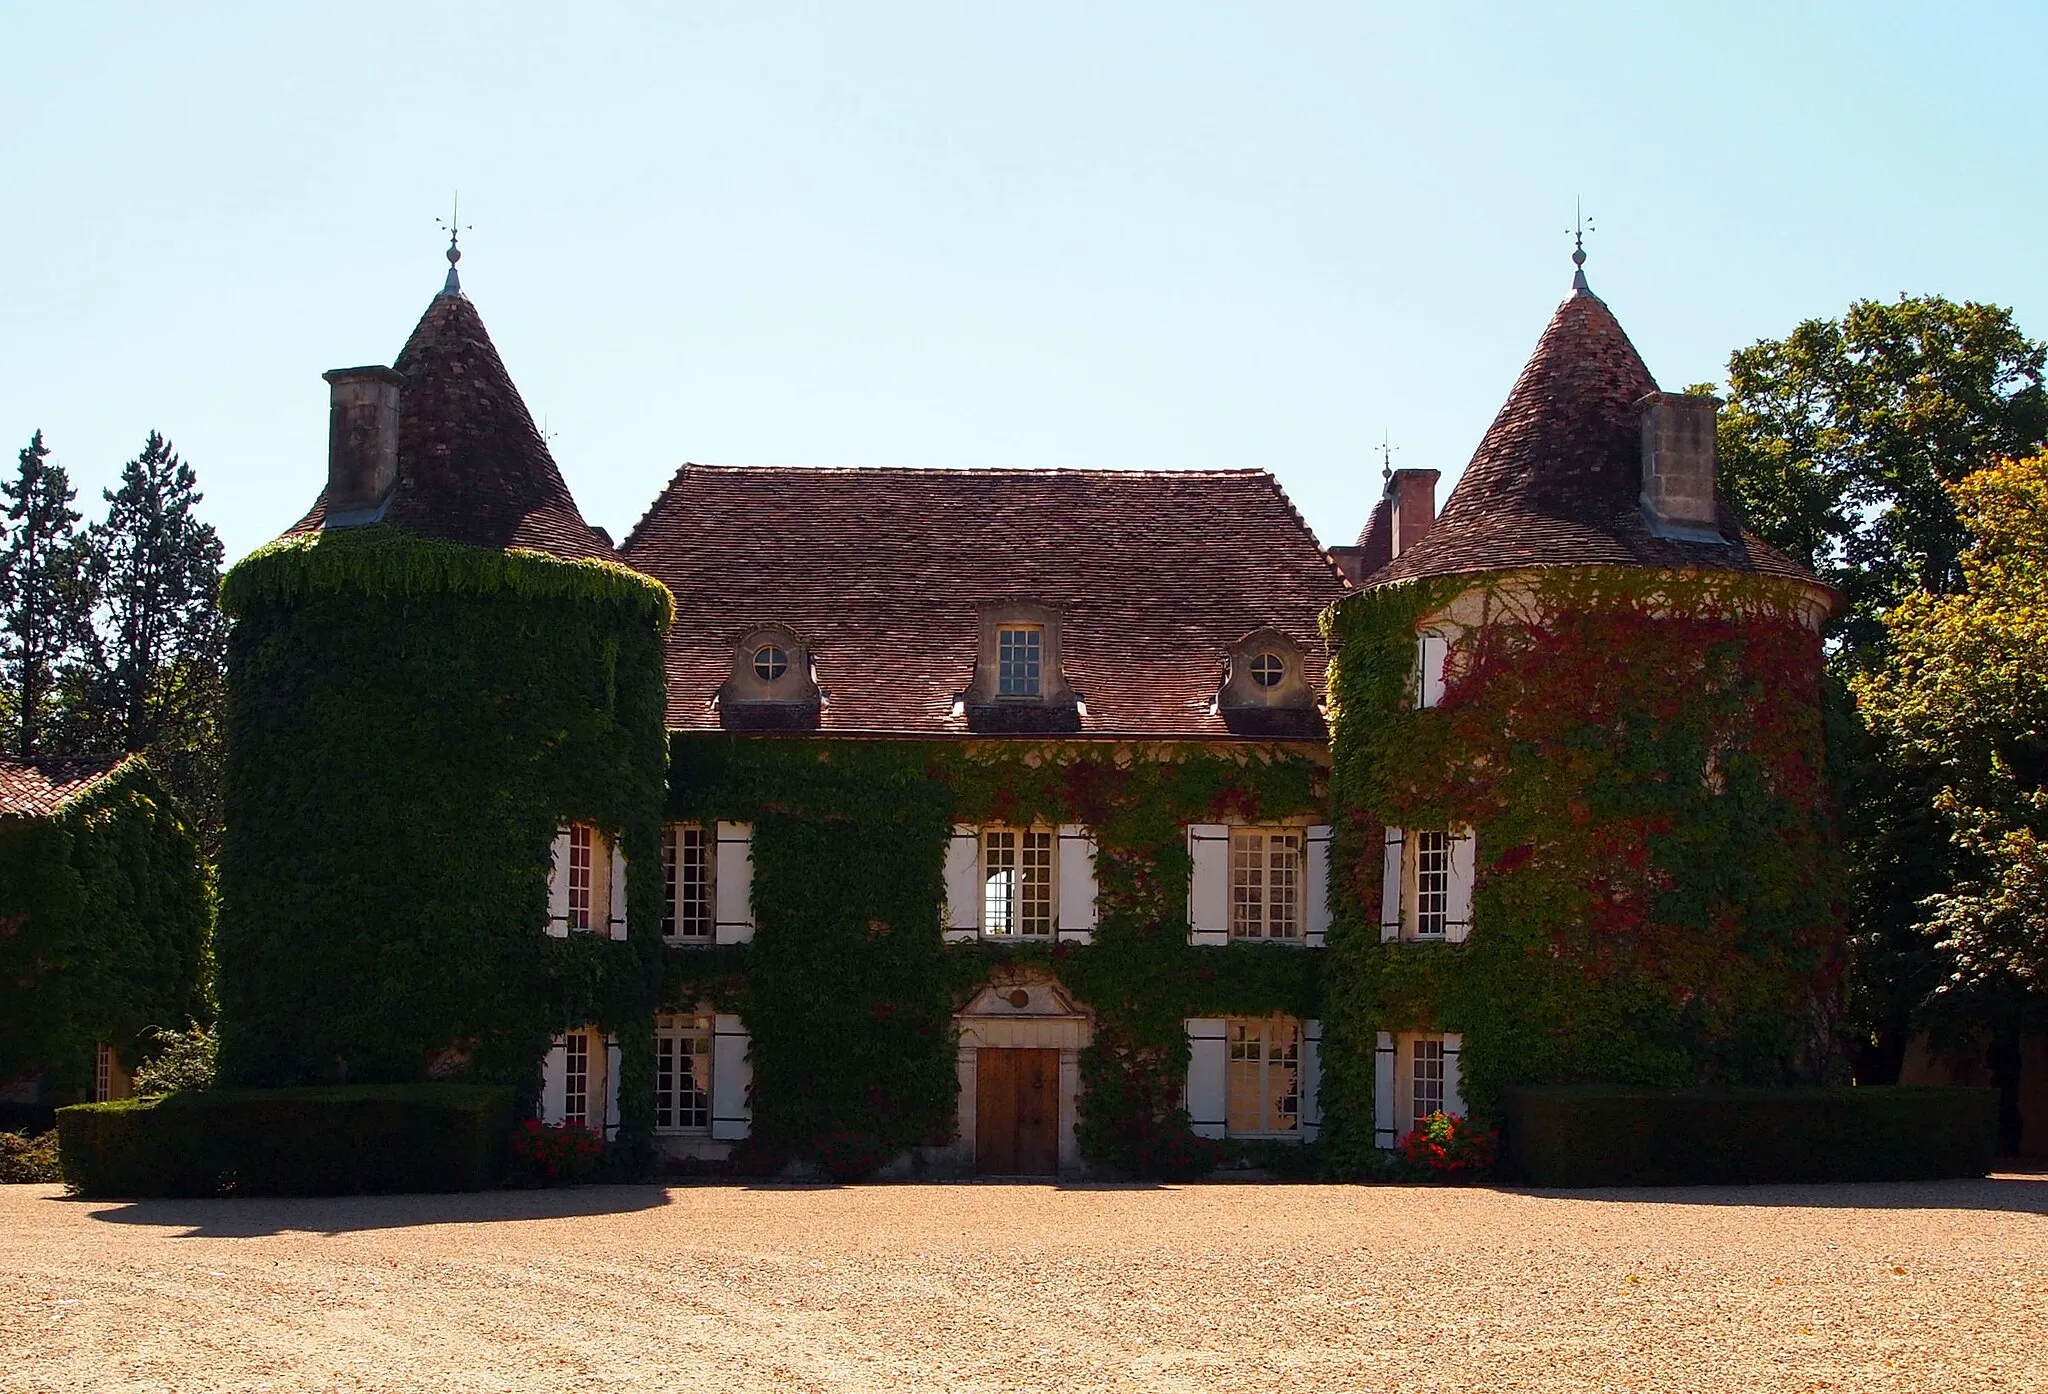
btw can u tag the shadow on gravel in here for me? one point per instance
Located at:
(229, 1218)
(2019, 1194)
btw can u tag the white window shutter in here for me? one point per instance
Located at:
(1209, 885)
(732, 1075)
(962, 918)
(1454, 1096)
(732, 884)
(1315, 923)
(558, 888)
(618, 896)
(1077, 885)
(1311, 1085)
(1458, 903)
(1383, 1091)
(611, 1088)
(1432, 650)
(554, 1081)
(1390, 887)
(1208, 1069)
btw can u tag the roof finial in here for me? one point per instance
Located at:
(1584, 226)
(453, 285)
(1387, 459)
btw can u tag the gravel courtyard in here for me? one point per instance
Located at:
(1034, 1287)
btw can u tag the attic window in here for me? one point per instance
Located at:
(1020, 652)
(1268, 669)
(771, 661)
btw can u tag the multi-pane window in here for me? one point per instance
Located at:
(1432, 883)
(682, 1074)
(686, 883)
(1428, 1084)
(102, 1073)
(582, 857)
(1265, 883)
(1268, 669)
(576, 1078)
(1016, 882)
(1262, 1092)
(1020, 651)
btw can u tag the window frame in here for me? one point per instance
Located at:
(780, 661)
(675, 884)
(1418, 1077)
(1430, 885)
(672, 1031)
(1036, 662)
(1028, 854)
(575, 1080)
(582, 841)
(1237, 888)
(1241, 1032)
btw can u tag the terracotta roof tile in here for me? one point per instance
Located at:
(471, 466)
(38, 788)
(882, 571)
(1557, 479)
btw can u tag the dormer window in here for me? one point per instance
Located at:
(1018, 685)
(1265, 690)
(773, 685)
(771, 661)
(1020, 660)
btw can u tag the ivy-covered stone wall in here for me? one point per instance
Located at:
(106, 922)
(1641, 759)
(409, 722)
(848, 989)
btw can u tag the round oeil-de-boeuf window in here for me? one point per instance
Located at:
(771, 661)
(1268, 669)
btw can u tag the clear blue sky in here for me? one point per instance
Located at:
(1140, 235)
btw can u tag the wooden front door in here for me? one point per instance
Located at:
(1016, 1112)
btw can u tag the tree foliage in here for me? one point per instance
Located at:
(1839, 439)
(1963, 696)
(41, 614)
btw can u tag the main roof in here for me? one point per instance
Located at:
(471, 466)
(884, 574)
(38, 788)
(1558, 477)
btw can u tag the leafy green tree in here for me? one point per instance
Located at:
(150, 679)
(1962, 695)
(1837, 444)
(1839, 439)
(41, 613)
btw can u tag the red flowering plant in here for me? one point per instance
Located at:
(1449, 1148)
(556, 1154)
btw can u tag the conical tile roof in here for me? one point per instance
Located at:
(1557, 480)
(471, 466)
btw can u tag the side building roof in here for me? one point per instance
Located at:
(885, 573)
(1557, 479)
(38, 788)
(471, 466)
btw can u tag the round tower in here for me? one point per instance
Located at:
(445, 714)
(1578, 763)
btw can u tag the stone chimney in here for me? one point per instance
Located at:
(1413, 493)
(362, 444)
(1681, 493)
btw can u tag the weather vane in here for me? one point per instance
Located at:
(1582, 226)
(1387, 456)
(454, 227)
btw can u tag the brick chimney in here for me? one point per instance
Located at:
(362, 443)
(1681, 494)
(1413, 493)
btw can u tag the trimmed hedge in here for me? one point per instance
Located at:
(328, 1140)
(1593, 1135)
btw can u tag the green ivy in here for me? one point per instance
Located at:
(409, 722)
(848, 990)
(1657, 900)
(106, 921)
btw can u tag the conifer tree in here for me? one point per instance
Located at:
(41, 610)
(150, 679)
